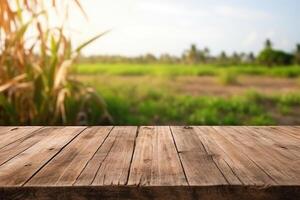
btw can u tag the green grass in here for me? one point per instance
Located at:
(152, 100)
(154, 95)
(184, 70)
(228, 78)
(160, 108)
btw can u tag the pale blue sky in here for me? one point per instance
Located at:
(160, 26)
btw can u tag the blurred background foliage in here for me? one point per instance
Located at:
(197, 87)
(268, 56)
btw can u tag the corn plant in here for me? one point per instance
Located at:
(35, 86)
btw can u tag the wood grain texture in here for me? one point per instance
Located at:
(150, 162)
(155, 161)
(292, 131)
(111, 163)
(199, 166)
(6, 129)
(67, 165)
(264, 156)
(247, 171)
(18, 170)
(11, 135)
(13, 149)
(273, 136)
(288, 147)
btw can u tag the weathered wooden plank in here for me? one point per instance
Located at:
(18, 170)
(243, 167)
(270, 157)
(200, 167)
(65, 167)
(15, 134)
(215, 152)
(5, 129)
(272, 137)
(266, 158)
(286, 132)
(293, 131)
(20, 145)
(280, 138)
(111, 163)
(155, 161)
(285, 146)
(10, 131)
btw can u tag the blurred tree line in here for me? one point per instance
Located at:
(267, 56)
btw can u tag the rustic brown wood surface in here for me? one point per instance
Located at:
(150, 162)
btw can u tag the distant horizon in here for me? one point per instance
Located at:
(139, 27)
(213, 55)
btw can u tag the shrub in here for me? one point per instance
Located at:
(228, 78)
(297, 55)
(272, 57)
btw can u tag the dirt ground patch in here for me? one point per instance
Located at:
(199, 86)
(207, 85)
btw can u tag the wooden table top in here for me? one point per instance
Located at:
(127, 162)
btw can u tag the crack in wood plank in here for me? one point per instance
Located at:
(178, 154)
(134, 146)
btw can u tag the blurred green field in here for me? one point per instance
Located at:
(162, 94)
(184, 70)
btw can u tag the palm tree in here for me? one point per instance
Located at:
(298, 48)
(223, 58)
(268, 44)
(192, 54)
(297, 54)
(251, 57)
